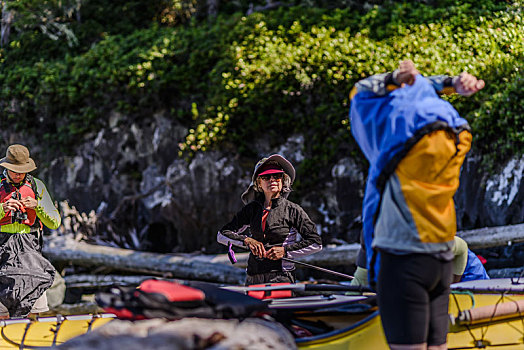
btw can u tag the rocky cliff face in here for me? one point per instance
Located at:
(145, 197)
(490, 199)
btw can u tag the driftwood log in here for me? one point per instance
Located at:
(64, 249)
(488, 237)
(97, 281)
(509, 272)
(217, 268)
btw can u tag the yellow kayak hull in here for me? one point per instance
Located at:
(47, 331)
(367, 333)
(351, 331)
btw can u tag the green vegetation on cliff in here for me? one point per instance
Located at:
(278, 73)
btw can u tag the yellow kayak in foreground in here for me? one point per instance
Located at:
(47, 331)
(483, 315)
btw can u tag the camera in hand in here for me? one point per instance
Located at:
(18, 215)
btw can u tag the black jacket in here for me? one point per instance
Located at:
(286, 220)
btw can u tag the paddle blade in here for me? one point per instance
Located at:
(231, 253)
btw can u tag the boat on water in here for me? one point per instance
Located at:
(486, 314)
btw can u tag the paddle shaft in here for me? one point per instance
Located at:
(232, 258)
(339, 274)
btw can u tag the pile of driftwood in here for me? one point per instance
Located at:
(64, 249)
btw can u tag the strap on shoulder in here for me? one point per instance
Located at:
(4, 182)
(29, 178)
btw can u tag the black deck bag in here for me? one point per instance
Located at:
(24, 273)
(171, 300)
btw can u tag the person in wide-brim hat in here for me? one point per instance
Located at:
(269, 224)
(25, 207)
(17, 159)
(269, 165)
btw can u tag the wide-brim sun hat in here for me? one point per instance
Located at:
(249, 194)
(17, 159)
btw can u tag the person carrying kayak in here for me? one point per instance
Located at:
(269, 225)
(25, 274)
(415, 143)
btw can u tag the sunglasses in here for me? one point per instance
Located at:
(277, 176)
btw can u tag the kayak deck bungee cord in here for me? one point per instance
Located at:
(44, 332)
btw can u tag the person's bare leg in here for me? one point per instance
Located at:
(33, 315)
(4, 317)
(422, 346)
(438, 347)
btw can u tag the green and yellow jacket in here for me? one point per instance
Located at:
(45, 211)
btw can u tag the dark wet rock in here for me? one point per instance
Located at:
(349, 184)
(145, 197)
(485, 199)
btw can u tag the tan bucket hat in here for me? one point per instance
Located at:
(17, 159)
(249, 194)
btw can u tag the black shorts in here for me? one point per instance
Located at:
(413, 297)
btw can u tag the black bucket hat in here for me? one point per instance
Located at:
(249, 194)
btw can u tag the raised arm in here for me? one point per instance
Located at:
(381, 84)
(466, 84)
